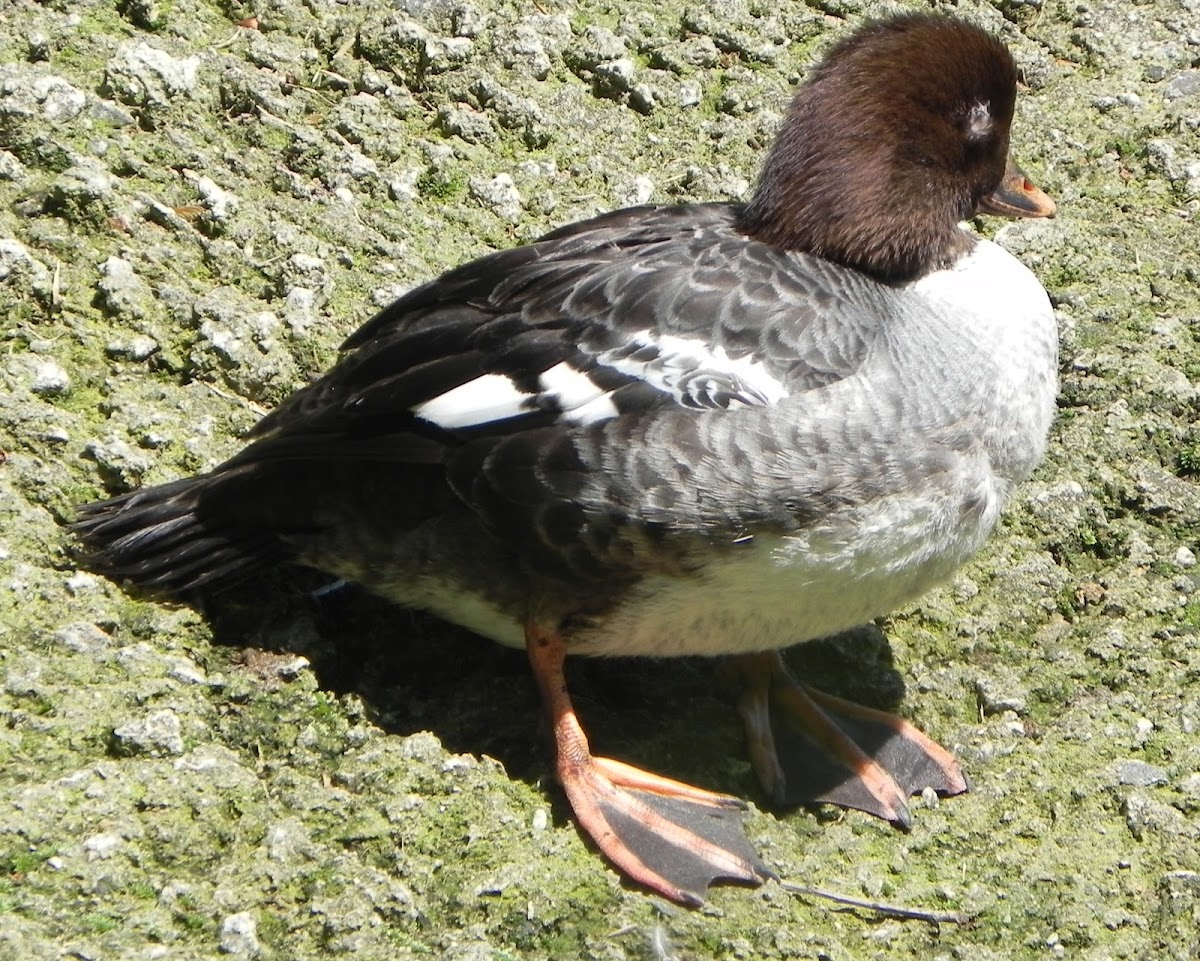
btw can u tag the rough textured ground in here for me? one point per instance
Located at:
(192, 216)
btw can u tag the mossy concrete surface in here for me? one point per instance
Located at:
(199, 201)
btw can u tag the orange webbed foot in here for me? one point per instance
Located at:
(810, 746)
(668, 836)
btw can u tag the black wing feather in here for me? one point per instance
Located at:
(573, 295)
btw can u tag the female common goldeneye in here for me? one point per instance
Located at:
(697, 429)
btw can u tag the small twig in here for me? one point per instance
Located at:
(265, 115)
(248, 404)
(891, 910)
(238, 32)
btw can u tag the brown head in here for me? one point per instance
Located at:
(900, 133)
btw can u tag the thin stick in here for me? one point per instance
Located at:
(891, 910)
(248, 404)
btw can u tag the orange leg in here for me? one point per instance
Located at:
(668, 836)
(810, 746)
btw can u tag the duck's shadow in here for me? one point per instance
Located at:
(414, 673)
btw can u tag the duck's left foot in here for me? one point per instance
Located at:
(810, 746)
(668, 836)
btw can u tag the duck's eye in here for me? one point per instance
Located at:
(979, 122)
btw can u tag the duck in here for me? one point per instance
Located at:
(716, 429)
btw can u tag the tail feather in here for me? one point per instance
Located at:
(160, 539)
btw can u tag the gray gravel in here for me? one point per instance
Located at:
(193, 214)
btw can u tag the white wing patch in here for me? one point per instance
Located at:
(494, 397)
(576, 395)
(569, 387)
(696, 373)
(487, 398)
(594, 411)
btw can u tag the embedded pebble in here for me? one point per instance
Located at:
(1140, 774)
(110, 112)
(1145, 817)
(301, 305)
(306, 271)
(639, 191)
(49, 378)
(174, 891)
(139, 347)
(239, 935)
(500, 194)
(185, 670)
(538, 168)
(27, 93)
(1162, 157)
(101, 847)
(222, 204)
(13, 170)
(1185, 84)
(142, 74)
(534, 43)
(156, 734)
(422, 746)
(404, 187)
(996, 696)
(459, 762)
(287, 840)
(618, 73)
(598, 45)
(122, 292)
(1189, 787)
(446, 53)
(472, 126)
(82, 583)
(85, 189)
(83, 638)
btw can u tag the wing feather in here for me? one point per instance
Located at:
(634, 311)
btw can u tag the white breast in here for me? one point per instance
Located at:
(998, 353)
(778, 591)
